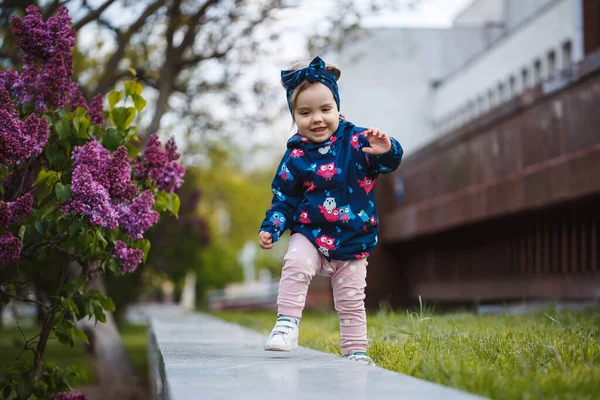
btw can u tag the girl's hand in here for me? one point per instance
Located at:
(265, 240)
(379, 142)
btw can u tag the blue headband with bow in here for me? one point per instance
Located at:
(315, 72)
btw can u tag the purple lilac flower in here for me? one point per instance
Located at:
(76, 97)
(8, 79)
(168, 178)
(138, 217)
(92, 199)
(6, 103)
(171, 148)
(119, 171)
(154, 156)
(160, 165)
(130, 258)
(70, 396)
(96, 158)
(10, 248)
(44, 39)
(96, 108)
(20, 140)
(13, 212)
(48, 62)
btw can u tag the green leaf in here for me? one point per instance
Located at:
(132, 151)
(114, 97)
(122, 117)
(100, 237)
(114, 267)
(75, 228)
(108, 304)
(80, 111)
(95, 131)
(95, 294)
(144, 245)
(42, 176)
(40, 226)
(113, 139)
(63, 192)
(22, 230)
(63, 129)
(3, 173)
(82, 336)
(55, 156)
(160, 202)
(173, 204)
(133, 88)
(139, 102)
(48, 208)
(40, 388)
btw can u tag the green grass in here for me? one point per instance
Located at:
(135, 339)
(547, 355)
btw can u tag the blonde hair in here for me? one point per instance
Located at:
(305, 84)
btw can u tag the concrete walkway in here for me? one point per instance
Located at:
(195, 356)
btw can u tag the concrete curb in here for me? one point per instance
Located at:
(196, 356)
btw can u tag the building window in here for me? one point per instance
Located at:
(551, 62)
(501, 93)
(525, 78)
(481, 104)
(567, 54)
(512, 84)
(537, 72)
(491, 99)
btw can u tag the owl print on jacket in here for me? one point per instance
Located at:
(303, 218)
(325, 244)
(297, 153)
(278, 220)
(285, 174)
(327, 171)
(346, 213)
(367, 184)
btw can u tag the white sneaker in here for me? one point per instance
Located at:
(361, 357)
(283, 337)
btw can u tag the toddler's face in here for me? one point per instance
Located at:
(316, 113)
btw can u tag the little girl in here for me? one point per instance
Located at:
(323, 193)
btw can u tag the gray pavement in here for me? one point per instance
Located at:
(196, 356)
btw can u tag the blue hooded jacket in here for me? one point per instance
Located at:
(325, 192)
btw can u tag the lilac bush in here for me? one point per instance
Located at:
(72, 183)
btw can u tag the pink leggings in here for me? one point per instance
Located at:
(348, 280)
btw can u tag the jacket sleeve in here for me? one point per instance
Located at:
(287, 194)
(386, 162)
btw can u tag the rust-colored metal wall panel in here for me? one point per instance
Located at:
(591, 25)
(519, 156)
(540, 134)
(546, 253)
(582, 109)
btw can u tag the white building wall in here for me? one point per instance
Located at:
(480, 12)
(545, 44)
(387, 76)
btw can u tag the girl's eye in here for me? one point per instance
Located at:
(326, 109)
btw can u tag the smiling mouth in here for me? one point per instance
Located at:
(318, 129)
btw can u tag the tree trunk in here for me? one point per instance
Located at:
(109, 358)
(166, 84)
